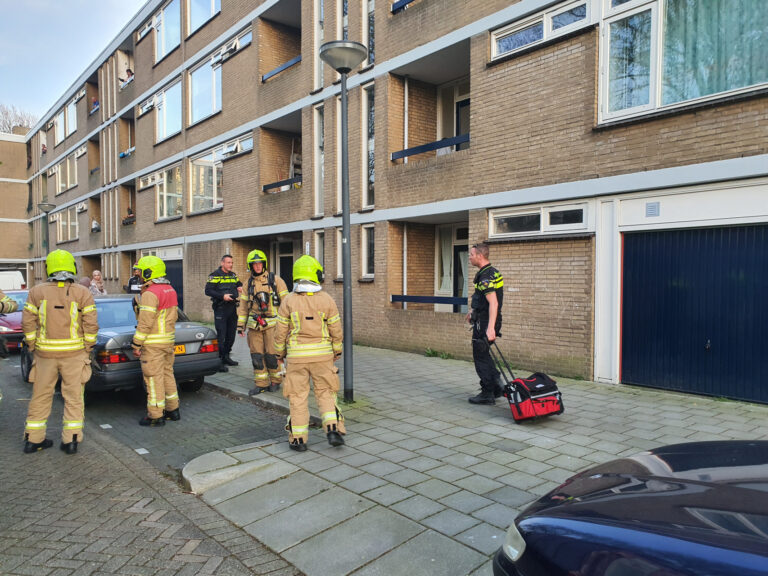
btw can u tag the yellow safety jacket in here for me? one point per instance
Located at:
(7, 304)
(156, 318)
(308, 328)
(59, 319)
(249, 308)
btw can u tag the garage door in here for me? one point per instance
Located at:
(695, 311)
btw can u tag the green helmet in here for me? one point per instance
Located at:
(151, 267)
(60, 261)
(257, 256)
(307, 268)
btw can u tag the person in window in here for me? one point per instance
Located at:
(485, 318)
(43, 149)
(94, 103)
(95, 226)
(97, 284)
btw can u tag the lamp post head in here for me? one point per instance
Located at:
(343, 55)
(46, 207)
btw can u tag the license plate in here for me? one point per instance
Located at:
(180, 349)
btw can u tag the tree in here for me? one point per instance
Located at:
(11, 116)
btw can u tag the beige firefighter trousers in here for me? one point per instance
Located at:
(262, 342)
(159, 381)
(325, 379)
(75, 371)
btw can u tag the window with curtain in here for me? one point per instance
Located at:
(661, 54)
(445, 260)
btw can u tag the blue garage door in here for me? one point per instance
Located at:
(695, 311)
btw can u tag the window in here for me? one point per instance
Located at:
(66, 174)
(233, 46)
(339, 262)
(338, 156)
(561, 19)
(319, 160)
(65, 122)
(168, 106)
(320, 247)
(207, 174)
(204, 91)
(661, 54)
(319, 36)
(168, 193)
(67, 228)
(342, 10)
(167, 29)
(369, 164)
(536, 221)
(454, 108)
(71, 117)
(60, 125)
(368, 30)
(368, 250)
(200, 11)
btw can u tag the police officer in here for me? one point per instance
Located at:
(60, 328)
(257, 312)
(153, 342)
(224, 287)
(309, 334)
(485, 318)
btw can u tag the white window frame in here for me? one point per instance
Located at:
(161, 111)
(215, 9)
(339, 263)
(71, 118)
(369, 6)
(66, 174)
(216, 89)
(543, 212)
(217, 167)
(338, 155)
(159, 21)
(545, 18)
(319, 14)
(319, 241)
(365, 233)
(160, 189)
(319, 159)
(365, 148)
(60, 127)
(66, 221)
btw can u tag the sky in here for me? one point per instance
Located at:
(46, 44)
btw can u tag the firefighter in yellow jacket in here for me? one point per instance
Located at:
(309, 335)
(153, 342)
(60, 328)
(257, 311)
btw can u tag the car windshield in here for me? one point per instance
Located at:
(20, 297)
(113, 313)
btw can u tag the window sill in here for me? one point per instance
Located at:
(232, 156)
(366, 209)
(217, 208)
(681, 109)
(129, 221)
(167, 55)
(317, 217)
(540, 238)
(365, 280)
(202, 25)
(365, 68)
(204, 118)
(168, 219)
(66, 190)
(338, 280)
(316, 91)
(68, 241)
(167, 138)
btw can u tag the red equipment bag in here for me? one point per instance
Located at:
(530, 397)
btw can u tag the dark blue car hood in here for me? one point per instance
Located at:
(708, 493)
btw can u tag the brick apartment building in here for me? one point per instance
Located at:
(613, 152)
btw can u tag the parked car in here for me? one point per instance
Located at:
(10, 324)
(114, 364)
(682, 510)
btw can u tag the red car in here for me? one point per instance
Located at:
(10, 324)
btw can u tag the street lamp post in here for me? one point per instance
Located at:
(45, 208)
(343, 56)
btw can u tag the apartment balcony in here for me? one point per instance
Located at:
(280, 155)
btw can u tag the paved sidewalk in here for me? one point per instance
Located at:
(428, 483)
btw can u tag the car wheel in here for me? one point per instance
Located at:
(194, 385)
(26, 362)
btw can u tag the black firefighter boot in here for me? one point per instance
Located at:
(298, 445)
(174, 415)
(30, 447)
(147, 421)
(70, 447)
(334, 438)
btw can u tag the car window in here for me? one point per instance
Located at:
(20, 297)
(115, 313)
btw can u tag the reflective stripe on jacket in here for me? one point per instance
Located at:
(308, 328)
(7, 304)
(157, 315)
(59, 318)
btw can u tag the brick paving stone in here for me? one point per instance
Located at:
(388, 494)
(417, 507)
(465, 501)
(434, 488)
(450, 522)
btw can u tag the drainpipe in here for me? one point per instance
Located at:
(405, 263)
(405, 126)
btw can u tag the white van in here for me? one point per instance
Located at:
(12, 280)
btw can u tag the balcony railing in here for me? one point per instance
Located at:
(444, 143)
(282, 184)
(400, 5)
(280, 68)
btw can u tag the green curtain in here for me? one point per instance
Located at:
(712, 46)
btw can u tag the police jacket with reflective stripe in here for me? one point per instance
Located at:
(157, 315)
(487, 280)
(248, 304)
(59, 319)
(221, 283)
(308, 328)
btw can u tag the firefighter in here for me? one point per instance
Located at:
(257, 312)
(60, 329)
(309, 335)
(153, 342)
(224, 289)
